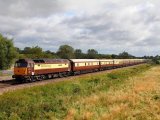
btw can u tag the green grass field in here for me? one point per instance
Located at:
(92, 97)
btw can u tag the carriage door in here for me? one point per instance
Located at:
(31, 68)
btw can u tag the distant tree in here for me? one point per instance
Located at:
(114, 56)
(78, 54)
(106, 56)
(18, 50)
(65, 52)
(125, 55)
(49, 54)
(26, 50)
(7, 52)
(33, 52)
(92, 54)
(156, 59)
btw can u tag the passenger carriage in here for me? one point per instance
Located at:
(84, 65)
(106, 64)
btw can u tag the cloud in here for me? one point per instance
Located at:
(107, 26)
(30, 8)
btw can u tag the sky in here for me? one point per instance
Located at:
(108, 26)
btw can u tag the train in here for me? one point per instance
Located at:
(30, 70)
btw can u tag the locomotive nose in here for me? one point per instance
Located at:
(20, 71)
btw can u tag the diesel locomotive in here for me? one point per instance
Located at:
(29, 70)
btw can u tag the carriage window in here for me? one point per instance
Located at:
(77, 64)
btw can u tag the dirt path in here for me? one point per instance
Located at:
(2, 78)
(137, 99)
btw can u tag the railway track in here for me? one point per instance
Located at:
(11, 85)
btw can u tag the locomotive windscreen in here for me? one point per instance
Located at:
(20, 64)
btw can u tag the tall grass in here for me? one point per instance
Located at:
(64, 100)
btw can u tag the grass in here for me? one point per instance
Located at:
(101, 96)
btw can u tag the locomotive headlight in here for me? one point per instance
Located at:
(32, 73)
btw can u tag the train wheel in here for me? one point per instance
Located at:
(60, 75)
(49, 76)
(74, 74)
(31, 79)
(65, 74)
(18, 80)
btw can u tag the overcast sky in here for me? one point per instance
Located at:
(109, 26)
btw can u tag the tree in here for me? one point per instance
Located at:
(35, 53)
(65, 52)
(92, 54)
(7, 52)
(49, 54)
(125, 55)
(32, 52)
(78, 54)
(156, 59)
(114, 56)
(104, 56)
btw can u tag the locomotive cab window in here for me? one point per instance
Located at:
(30, 65)
(21, 64)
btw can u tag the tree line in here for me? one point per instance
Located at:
(68, 52)
(9, 53)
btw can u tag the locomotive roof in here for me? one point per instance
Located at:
(50, 60)
(24, 60)
(43, 60)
